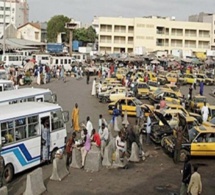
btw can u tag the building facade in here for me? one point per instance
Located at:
(206, 18)
(153, 33)
(32, 32)
(16, 13)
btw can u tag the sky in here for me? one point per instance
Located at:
(85, 10)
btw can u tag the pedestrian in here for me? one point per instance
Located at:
(88, 76)
(75, 118)
(186, 175)
(88, 126)
(104, 135)
(62, 73)
(162, 103)
(85, 147)
(148, 129)
(190, 92)
(69, 145)
(205, 112)
(45, 141)
(201, 90)
(178, 142)
(101, 120)
(99, 88)
(94, 87)
(139, 114)
(195, 185)
(95, 138)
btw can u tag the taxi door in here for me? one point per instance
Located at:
(131, 107)
(199, 146)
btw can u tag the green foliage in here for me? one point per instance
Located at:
(56, 25)
(85, 35)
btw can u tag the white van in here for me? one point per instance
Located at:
(6, 85)
(79, 57)
(42, 58)
(27, 95)
(66, 61)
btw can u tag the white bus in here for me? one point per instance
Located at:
(21, 127)
(27, 95)
(6, 85)
(13, 59)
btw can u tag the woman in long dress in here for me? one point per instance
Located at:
(75, 118)
(38, 77)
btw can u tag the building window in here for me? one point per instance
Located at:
(36, 35)
(141, 25)
(140, 37)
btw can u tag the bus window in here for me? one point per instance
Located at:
(33, 126)
(1, 88)
(31, 99)
(61, 61)
(48, 98)
(20, 130)
(56, 61)
(7, 132)
(57, 120)
(69, 61)
(65, 61)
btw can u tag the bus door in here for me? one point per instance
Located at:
(45, 135)
(39, 98)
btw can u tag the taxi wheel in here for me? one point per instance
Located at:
(183, 154)
(8, 173)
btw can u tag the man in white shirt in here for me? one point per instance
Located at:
(89, 126)
(104, 135)
(148, 129)
(204, 112)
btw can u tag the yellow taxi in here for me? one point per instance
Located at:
(152, 76)
(168, 94)
(153, 85)
(200, 142)
(189, 78)
(120, 73)
(204, 78)
(171, 77)
(197, 103)
(127, 103)
(147, 109)
(142, 90)
(174, 88)
(186, 113)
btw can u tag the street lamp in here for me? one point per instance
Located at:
(4, 48)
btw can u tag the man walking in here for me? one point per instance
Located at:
(89, 126)
(186, 176)
(104, 134)
(205, 112)
(201, 90)
(178, 142)
(195, 185)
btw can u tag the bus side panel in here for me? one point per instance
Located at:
(58, 139)
(23, 155)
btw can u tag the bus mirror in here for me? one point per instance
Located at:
(54, 97)
(65, 116)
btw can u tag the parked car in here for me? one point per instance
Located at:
(204, 78)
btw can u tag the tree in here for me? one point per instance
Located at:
(56, 25)
(85, 35)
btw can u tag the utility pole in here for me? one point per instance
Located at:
(4, 48)
(70, 26)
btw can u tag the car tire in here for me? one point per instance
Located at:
(163, 141)
(183, 154)
(8, 173)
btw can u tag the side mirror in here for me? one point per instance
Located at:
(65, 116)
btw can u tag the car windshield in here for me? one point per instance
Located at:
(137, 102)
(212, 112)
(200, 99)
(212, 121)
(142, 86)
(158, 91)
(174, 88)
(153, 84)
(192, 134)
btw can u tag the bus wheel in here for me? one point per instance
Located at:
(53, 155)
(183, 154)
(8, 173)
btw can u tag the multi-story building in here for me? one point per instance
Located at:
(206, 18)
(16, 13)
(154, 33)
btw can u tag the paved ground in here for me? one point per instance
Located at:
(157, 175)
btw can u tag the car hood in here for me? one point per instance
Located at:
(161, 118)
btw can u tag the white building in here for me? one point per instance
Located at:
(16, 13)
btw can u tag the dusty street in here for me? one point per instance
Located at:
(157, 175)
